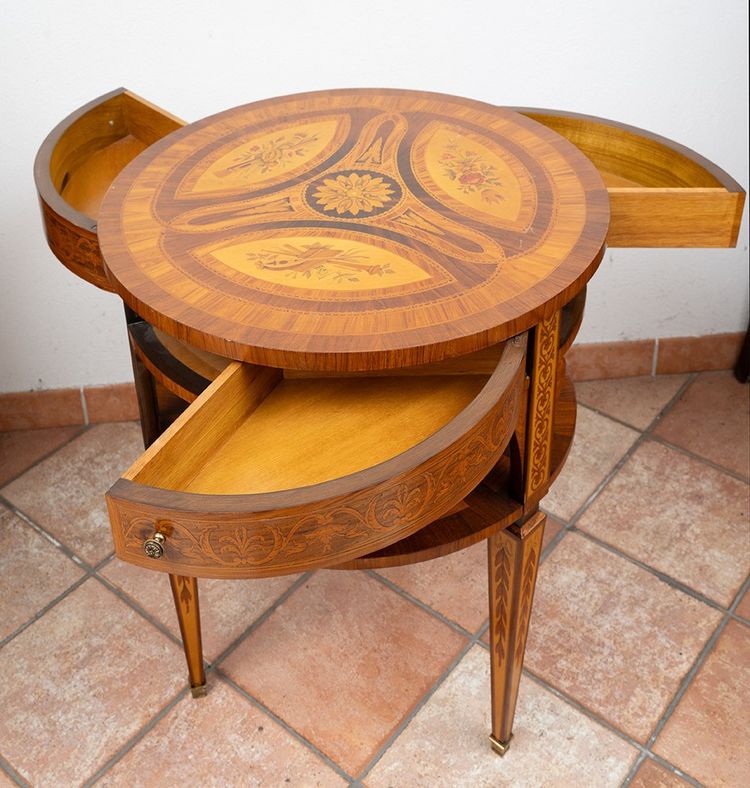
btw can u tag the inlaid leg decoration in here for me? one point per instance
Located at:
(185, 592)
(513, 558)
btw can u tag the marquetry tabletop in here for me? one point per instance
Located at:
(354, 229)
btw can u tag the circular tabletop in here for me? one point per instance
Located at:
(354, 229)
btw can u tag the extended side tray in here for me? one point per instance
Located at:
(661, 193)
(78, 161)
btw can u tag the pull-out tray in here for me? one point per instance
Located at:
(661, 193)
(78, 161)
(265, 474)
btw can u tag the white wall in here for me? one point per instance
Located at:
(678, 68)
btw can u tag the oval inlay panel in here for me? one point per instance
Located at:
(320, 263)
(354, 229)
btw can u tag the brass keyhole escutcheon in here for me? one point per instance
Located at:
(154, 547)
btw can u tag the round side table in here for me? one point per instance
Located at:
(366, 296)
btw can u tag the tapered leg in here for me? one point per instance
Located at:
(185, 592)
(513, 558)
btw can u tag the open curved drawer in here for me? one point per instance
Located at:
(661, 193)
(265, 475)
(78, 161)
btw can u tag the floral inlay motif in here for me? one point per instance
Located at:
(271, 153)
(318, 261)
(354, 192)
(471, 174)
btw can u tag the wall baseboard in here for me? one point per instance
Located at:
(95, 404)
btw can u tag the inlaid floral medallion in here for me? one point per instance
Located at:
(353, 193)
(349, 222)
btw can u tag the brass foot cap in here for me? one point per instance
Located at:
(500, 747)
(199, 691)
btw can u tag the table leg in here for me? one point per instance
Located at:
(185, 592)
(513, 558)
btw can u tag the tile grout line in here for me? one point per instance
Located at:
(455, 626)
(693, 456)
(53, 603)
(87, 569)
(663, 576)
(84, 407)
(682, 688)
(266, 614)
(283, 724)
(133, 740)
(7, 768)
(697, 665)
(53, 540)
(473, 639)
(655, 357)
(419, 705)
(133, 605)
(571, 526)
(647, 755)
(82, 428)
(627, 455)
(642, 749)
(209, 667)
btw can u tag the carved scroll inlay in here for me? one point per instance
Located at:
(542, 408)
(345, 526)
(75, 249)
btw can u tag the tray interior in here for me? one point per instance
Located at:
(98, 145)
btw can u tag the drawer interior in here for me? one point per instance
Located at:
(661, 193)
(255, 431)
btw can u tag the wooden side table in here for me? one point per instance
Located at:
(367, 296)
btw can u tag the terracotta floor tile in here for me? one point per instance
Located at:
(21, 448)
(553, 743)
(598, 444)
(86, 676)
(5, 780)
(227, 607)
(636, 401)
(743, 609)
(343, 661)
(712, 418)
(65, 492)
(552, 528)
(678, 515)
(612, 635)
(455, 585)
(651, 774)
(32, 572)
(220, 740)
(717, 704)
